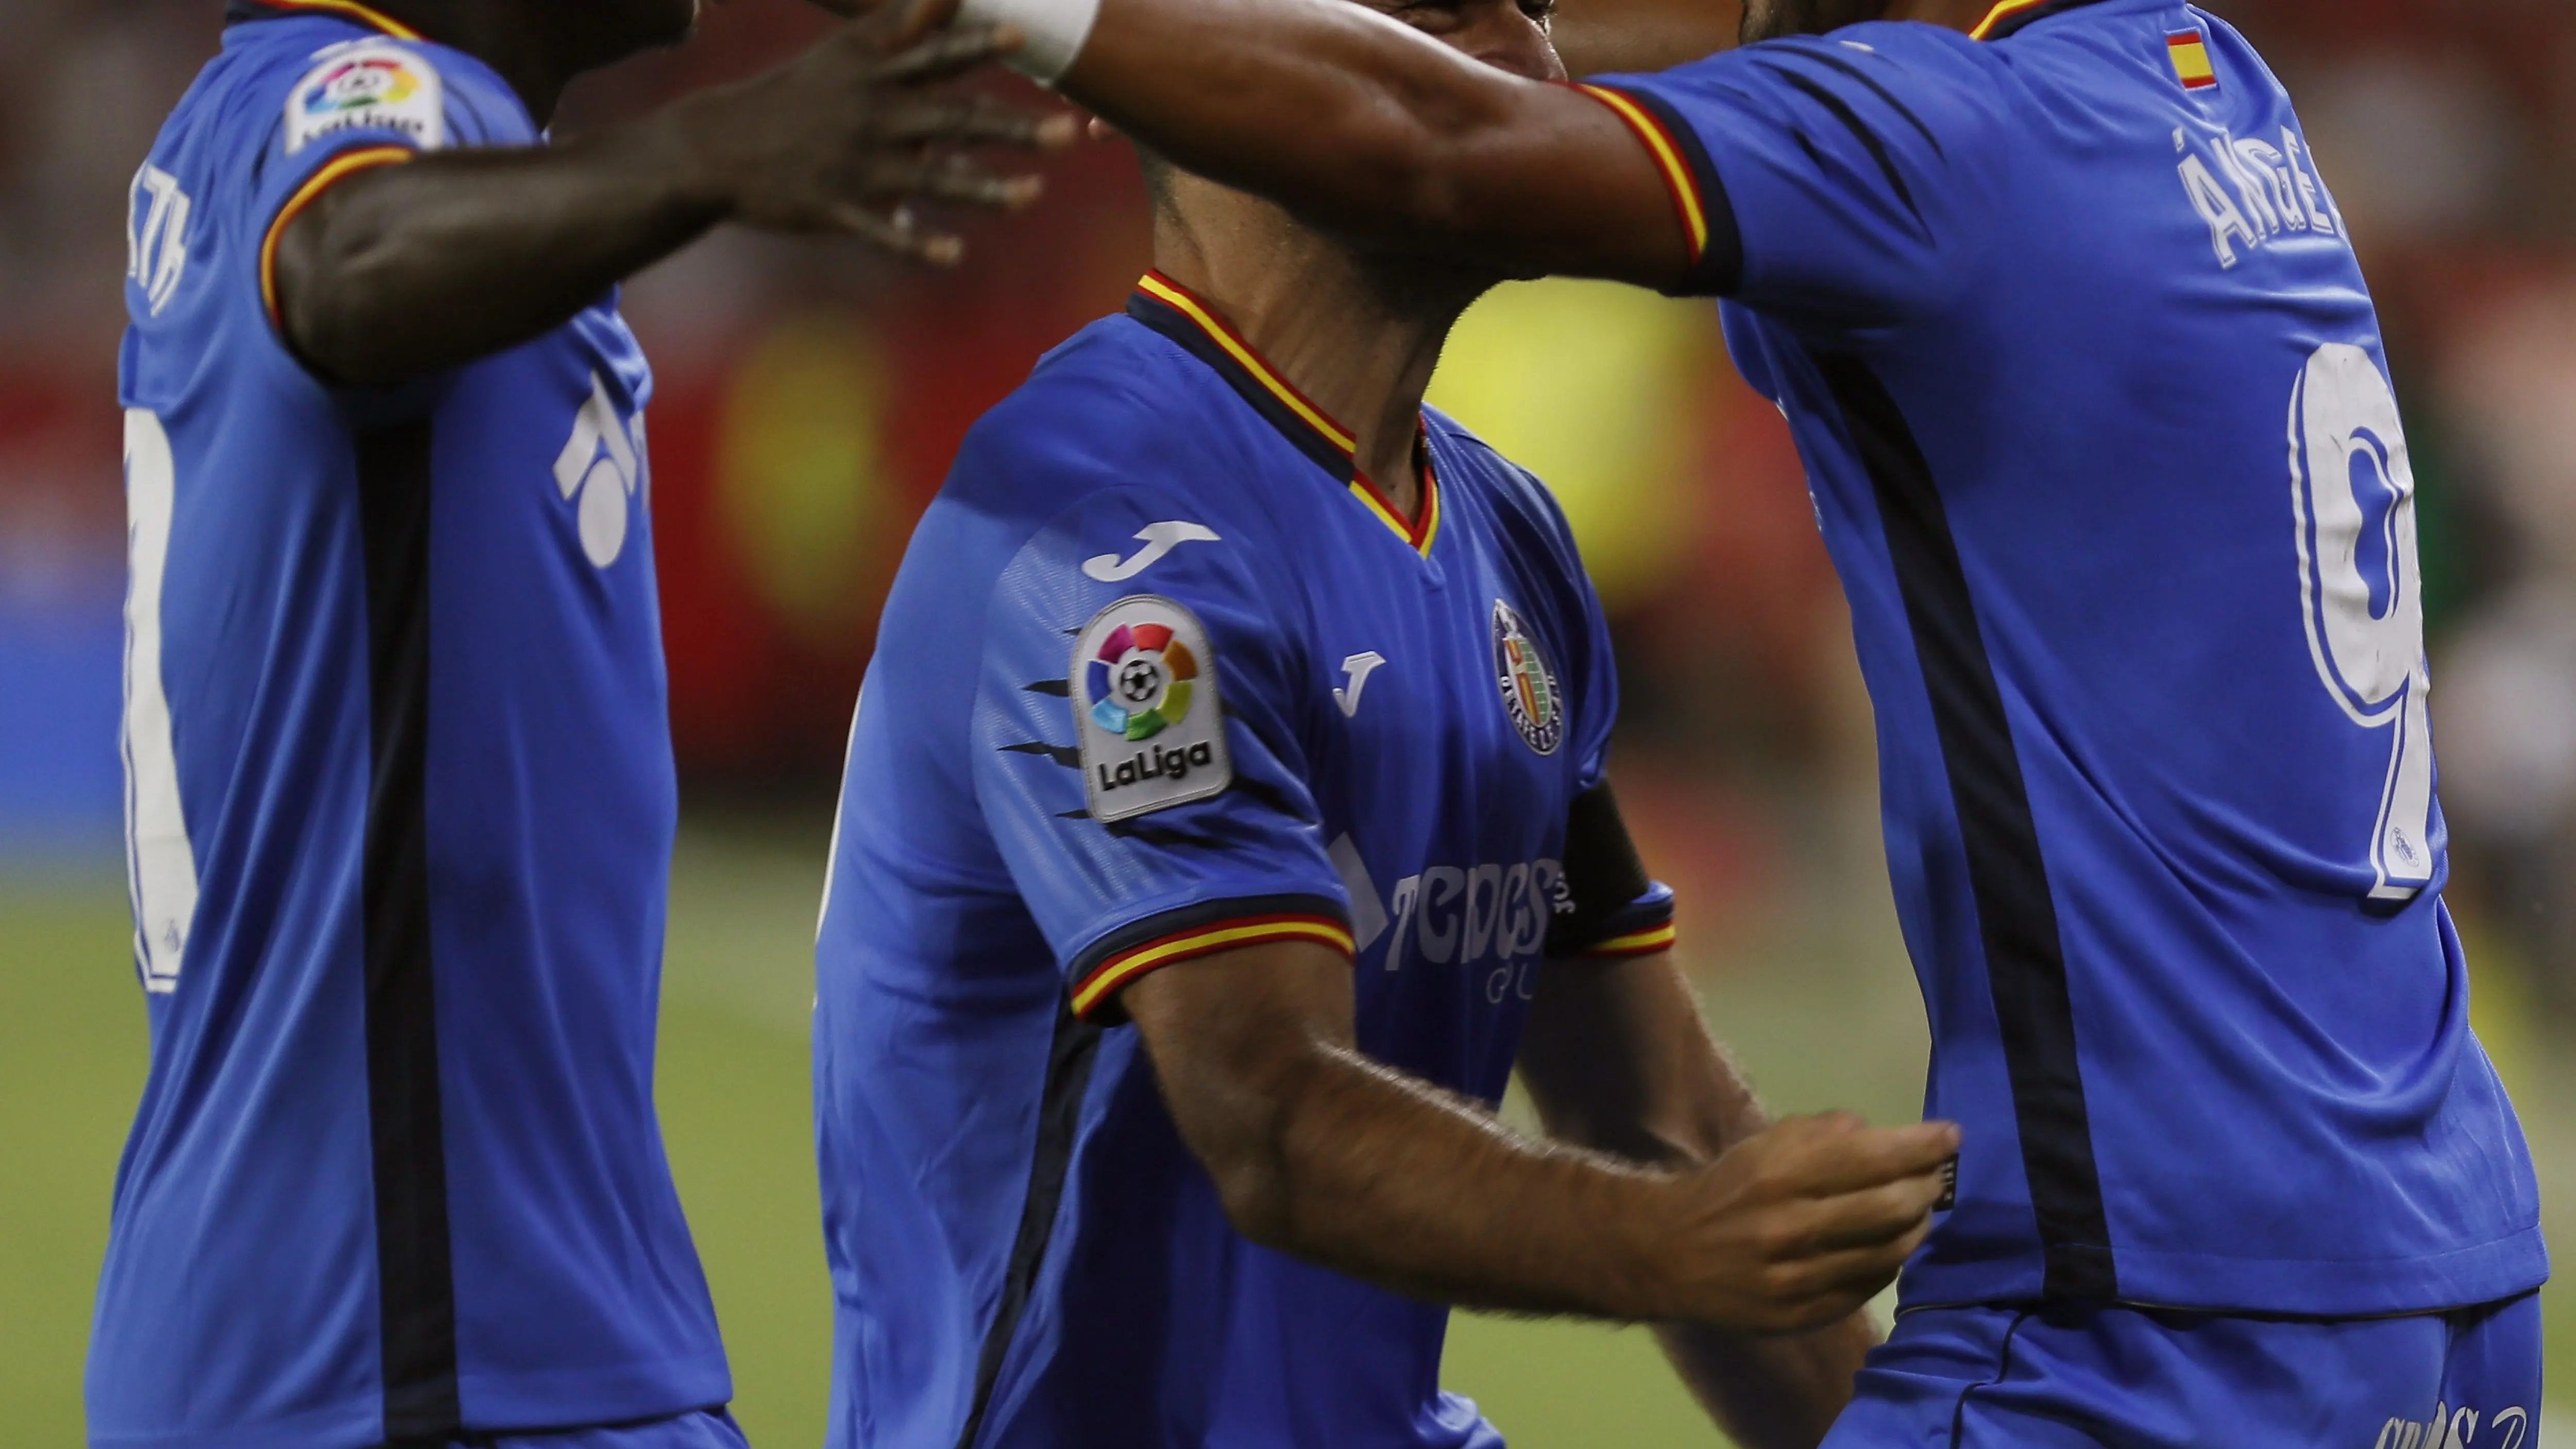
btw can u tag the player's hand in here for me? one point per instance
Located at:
(1804, 1223)
(846, 136)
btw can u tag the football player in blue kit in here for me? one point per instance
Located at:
(1225, 818)
(2095, 409)
(400, 786)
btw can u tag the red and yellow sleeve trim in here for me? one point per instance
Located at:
(1666, 153)
(349, 10)
(1123, 969)
(364, 158)
(1636, 943)
(1286, 407)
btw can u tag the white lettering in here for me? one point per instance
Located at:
(2312, 190)
(156, 235)
(2211, 201)
(2250, 188)
(2274, 169)
(1408, 893)
(1484, 910)
(1441, 884)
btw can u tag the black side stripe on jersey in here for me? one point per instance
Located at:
(416, 1285)
(1832, 61)
(1065, 755)
(1841, 111)
(1068, 1077)
(2008, 875)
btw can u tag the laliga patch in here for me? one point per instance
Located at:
(367, 85)
(1145, 706)
(1530, 696)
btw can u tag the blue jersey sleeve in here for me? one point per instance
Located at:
(1843, 180)
(318, 116)
(1608, 906)
(1139, 748)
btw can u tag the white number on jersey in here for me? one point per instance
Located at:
(161, 867)
(2352, 494)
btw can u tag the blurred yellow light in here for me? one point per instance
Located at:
(1596, 388)
(799, 471)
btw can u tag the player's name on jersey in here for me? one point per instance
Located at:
(2249, 191)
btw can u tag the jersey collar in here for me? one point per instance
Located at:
(1179, 314)
(238, 11)
(2010, 16)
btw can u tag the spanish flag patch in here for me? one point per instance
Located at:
(2190, 52)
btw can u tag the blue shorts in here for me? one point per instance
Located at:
(2125, 1378)
(703, 1429)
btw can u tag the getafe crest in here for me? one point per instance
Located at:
(1145, 704)
(1530, 695)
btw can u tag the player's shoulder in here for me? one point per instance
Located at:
(308, 79)
(1114, 410)
(1906, 82)
(1525, 513)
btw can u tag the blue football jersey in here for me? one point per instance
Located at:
(400, 803)
(1162, 675)
(2102, 440)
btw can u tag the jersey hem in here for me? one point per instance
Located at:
(2490, 1272)
(524, 1403)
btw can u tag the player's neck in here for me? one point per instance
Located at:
(512, 38)
(1358, 340)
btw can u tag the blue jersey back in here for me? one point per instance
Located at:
(401, 802)
(2093, 400)
(1161, 676)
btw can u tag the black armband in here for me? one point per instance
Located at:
(1607, 905)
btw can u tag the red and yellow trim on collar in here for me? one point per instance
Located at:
(2009, 16)
(2001, 13)
(1637, 943)
(361, 159)
(1173, 295)
(1123, 969)
(1425, 523)
(348, 10)
(1666, 152)
(1250, 366)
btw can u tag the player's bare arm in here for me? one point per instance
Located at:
(1361, 125)
(1320, 1152)
(400, 271)
(1618, 1061)
(1356, 123)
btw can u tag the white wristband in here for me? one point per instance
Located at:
(1056, 30)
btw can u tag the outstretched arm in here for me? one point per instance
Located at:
(1320, 1152)
(1359, 124)
(398, 271)
(1617, 1060)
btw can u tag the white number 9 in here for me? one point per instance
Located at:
(2352, 491)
